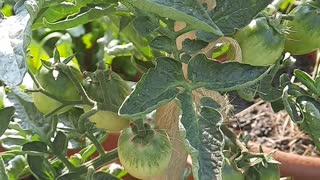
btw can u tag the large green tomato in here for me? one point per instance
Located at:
(108, 120)
(60, 86)
(144, 157)
(304, 31)
(261, 44)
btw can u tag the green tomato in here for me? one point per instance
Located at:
(144, 157)
(229, 173)
(261, 44)
(60, 86)
(304, 34)
(108, 120)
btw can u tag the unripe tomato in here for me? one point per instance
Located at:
(304, 34)
(60, 86)
(261, 44)
(144, 157)
(108, 120)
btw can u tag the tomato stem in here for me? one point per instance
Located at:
(107, 158)
(84, 117)
(232, 136)
(96, 143)
(62, 158)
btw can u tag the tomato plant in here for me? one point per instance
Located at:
(155, 73)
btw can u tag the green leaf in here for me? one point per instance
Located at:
(293, 110)
(190, 46)
(311, 122)
(3, 172)
(5, 116)
(103, 176)
(142, 44)
(162, 43)
(26, 110)
(217, 76)
(189, 119)
(41, 168)
(70, 176)
(269, 90)
(211, 145)
(60, 143)
(82, 18)
(189, 11)
(189, 129)
(204, 140)
(144, 25)
(248, 93)
(306, 80)
(37, 146)
(15, 35)
(157, 87)
(57, 12)
(16, 166)
(236, 14)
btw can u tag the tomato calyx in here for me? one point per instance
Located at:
(142, 135)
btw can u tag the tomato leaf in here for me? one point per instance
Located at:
(163, 43)
(291, 107)
(37, 146)
(82, 18)
(311, 122)
(204, 140)
(5, 116)
(69, 176)
(189, 11)
(210, 149)
(157, 87)
(41, 168)
(236, 14)
(33, 119)
(15, 35)
(217, 76)
(3, 172)
(144, 25)
(306, 80)
(60, 143)
(233, 14)
(268, 90)
(192, 46)
(103, 176)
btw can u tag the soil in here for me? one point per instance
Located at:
(274, 130)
